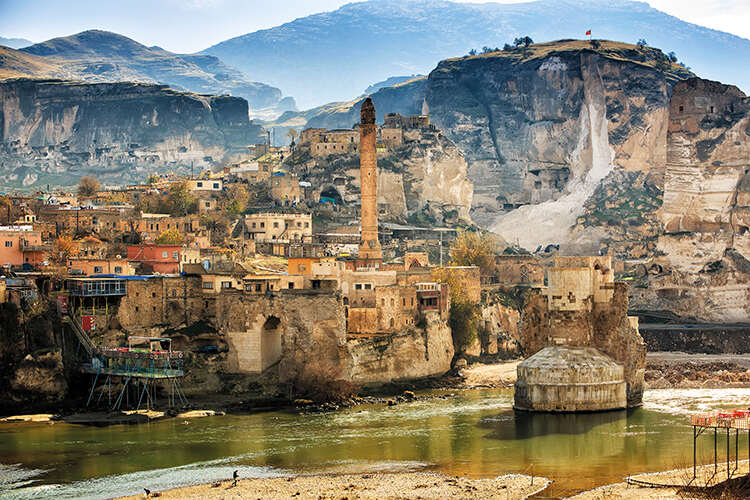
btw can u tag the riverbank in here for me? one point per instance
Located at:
(677, 480)
(365, 486)
(678, 370)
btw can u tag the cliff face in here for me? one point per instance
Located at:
(705, 242)
(55, 131)
(426, 176)
(542, 127)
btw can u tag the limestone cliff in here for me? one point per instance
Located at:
(704, 271)
(55, 131)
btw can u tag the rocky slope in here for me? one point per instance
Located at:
(53, 131)
(101, 56)
(701, 265)
(343, 51)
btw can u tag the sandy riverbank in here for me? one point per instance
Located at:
(366, 486)
(705, 477)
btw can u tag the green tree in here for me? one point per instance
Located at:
(180, 199)
(474, 248)
(642, 43)
(523, 41)
(88, 186)
(169, 237)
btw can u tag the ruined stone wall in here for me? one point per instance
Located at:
(602, 325)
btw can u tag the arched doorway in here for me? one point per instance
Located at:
(270, 342)
(331, 195)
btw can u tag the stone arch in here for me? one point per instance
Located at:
(270, 342)
(332, 193)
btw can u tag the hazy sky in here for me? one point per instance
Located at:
(192, 25)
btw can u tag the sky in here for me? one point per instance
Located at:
(187, 26)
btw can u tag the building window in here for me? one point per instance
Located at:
(136, 308)
(175, 255)
(216, 185)
(97, 269)
(199, 184)
(275, 224)
(302, 267)
(118, 269)
(208, 285)
(174, 293)
(208, 205)
(403, 302)
(262, 225)
(392, 322)
(226, 284)
(368, 286)
(392, 302)
(153, 295)
(382, 302)
(307, 224)
(291, 285)
(164, 255)
(253, 225)
(8, 244)
(258, 288)
(358, 286)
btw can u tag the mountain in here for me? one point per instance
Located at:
(101, 56)
(341, 52)
(15, 43)
(388, 82)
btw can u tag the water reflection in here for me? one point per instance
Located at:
(475, 434)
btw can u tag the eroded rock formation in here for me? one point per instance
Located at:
(54, 131)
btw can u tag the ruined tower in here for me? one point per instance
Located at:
(369, 246)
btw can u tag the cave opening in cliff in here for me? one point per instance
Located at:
(331, 195)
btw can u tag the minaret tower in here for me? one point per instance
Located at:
(369, 246)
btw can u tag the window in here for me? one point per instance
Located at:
(174, 293)
(153, 295)
(208, 285)
(392, 322)
(275, 224)
(253, 225)
(262, 225)
(382, 302)
(136, 308)
(392, 302)
(175, 255)
(199, 184)
(403, 302)
(208, 204)
(164, 255)
(216, 185)
(8, 244)
(368, 286)
(412, 301)
(682, 108)
(302, 267)
(307, 224)
(358, 286)
(299, 224)
(97, 269)
(291, 285)
(226, 284)
(118, 269)
(258, 287)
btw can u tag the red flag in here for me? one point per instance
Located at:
(588, 33)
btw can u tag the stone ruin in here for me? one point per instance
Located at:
(583, 352)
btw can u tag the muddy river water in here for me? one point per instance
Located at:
(473, 433)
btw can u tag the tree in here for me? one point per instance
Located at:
(237, 199)
(596, 44)
(642, 43)
(507, 47)
(88, 186)
(672, 57)
(180, 199)
(464, 314)
(472, 248)
(65, 247)
(473, 52)
(152, 179)
(523, 41)
(169, 237)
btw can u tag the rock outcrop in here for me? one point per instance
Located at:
(55, 131)
(704, 271)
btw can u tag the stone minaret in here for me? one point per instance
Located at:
(369, 246)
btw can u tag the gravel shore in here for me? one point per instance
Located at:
(365, 486)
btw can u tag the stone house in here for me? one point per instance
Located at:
(271, 226)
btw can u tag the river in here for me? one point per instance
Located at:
(473, 433)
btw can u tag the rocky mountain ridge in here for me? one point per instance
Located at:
(343, 51)
(101, 56)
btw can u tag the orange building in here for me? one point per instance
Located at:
(163, 259)
(13, 240)
(100, 266)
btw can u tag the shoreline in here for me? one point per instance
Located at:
(395, 485)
